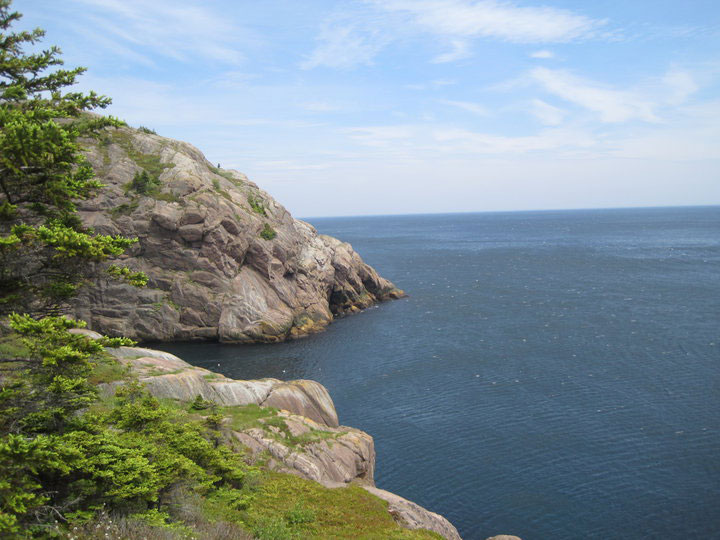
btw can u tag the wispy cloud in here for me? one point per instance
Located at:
(494, 19)
(474, 108)
(320, 106)
(342, 44)
(547, 114)
(460, 50)
(353, 38)
(166, 28)
(543, 54)
(643, 102)
(610, 104)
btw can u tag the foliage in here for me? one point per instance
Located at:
(63, 461)
(147, 130)
(268, 233)
(143, 183)
(257, 205)
(45, 252)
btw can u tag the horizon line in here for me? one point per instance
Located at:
(527, 210)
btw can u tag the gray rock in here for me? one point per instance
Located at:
(167, 376)
(199, 243)
(412, 516)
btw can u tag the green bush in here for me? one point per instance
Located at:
(257, 205)
(144, 184)
(268, 233)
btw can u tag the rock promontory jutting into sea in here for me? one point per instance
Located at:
(225, 261)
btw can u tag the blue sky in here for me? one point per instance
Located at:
(413, 106)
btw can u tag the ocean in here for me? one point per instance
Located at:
(551, 374)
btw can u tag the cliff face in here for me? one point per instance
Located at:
(225, 260)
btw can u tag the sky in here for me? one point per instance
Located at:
(356, 107)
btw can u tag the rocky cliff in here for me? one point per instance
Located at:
(225, 260)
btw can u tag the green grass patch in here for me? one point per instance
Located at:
(257, 206)
(12, 346)
(166, 196)
(286, 506)
(268, 233)
(225, 174)
(244, 417)
(125, 209)
(148, 162)
(108, 370)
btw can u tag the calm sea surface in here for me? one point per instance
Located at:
(552, 374)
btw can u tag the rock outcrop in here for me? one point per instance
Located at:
(167, 376)
(303, 438)
(413, 516)
(225, 261)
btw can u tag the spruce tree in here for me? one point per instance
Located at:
(45, 252)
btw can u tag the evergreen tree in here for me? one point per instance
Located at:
(45, 252)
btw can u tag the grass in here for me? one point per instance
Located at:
(244, 417)
(268, 233)
(149, 162)
(125, 209)
(11, 346)
(257, 205)
(167, 197)
(108, 370)
(147, 182)
(286, 506)
(225, 174)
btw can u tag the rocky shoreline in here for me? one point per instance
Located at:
(331, 454)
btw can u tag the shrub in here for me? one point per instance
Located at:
(268, 233)
(144, 184)
(257, 205)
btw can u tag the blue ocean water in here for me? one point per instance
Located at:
(551, 375)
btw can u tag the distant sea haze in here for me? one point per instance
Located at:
(551, 375)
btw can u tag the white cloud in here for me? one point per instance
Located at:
(494, 19)
(280, 165)
(612, 105)
(320, 106)
(474, 108)
(459, 51)
(419, 141)
(542, 54)
(380, 136)
(681, 85)
(342, 45)
(643, 102)
(555, 140)
(546, 113)
(165, 28)
(349, 39)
